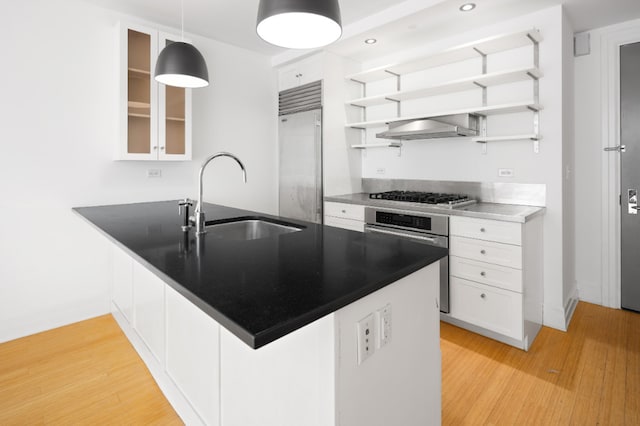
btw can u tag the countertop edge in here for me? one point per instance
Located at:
(352, 199)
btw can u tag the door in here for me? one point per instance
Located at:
(300, 190)
(630, 176)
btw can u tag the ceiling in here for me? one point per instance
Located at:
(393, 22)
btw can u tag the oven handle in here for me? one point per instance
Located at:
(398, 234)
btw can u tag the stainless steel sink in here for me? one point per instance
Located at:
(244, 229)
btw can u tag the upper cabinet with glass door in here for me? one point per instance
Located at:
(155, 120)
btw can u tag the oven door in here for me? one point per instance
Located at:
(430, 239)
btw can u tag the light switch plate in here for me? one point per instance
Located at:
(154, 173)
(384, 325)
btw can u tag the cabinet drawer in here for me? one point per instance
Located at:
(483, 229)
(486, 251)
(346, 211)
(486, 273)
(488, 307)
(338, 222)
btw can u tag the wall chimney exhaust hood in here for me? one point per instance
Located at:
(446, 126)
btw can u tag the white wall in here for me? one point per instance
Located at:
(570, 290)
(461, 160)
(596, 86)
(58, 115)
(342, 167)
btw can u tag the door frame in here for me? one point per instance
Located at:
(610, 163)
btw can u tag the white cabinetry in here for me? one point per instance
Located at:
(408, 72)
(302, 72)
(342, 215)
(496, 278)
(122, 282)
(193, 356)
(155, 120)
(309, 377)
(148, 298)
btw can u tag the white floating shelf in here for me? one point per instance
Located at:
(378, 145)
(530, 136)
(470, 83)
(486, 110)
(455, 54)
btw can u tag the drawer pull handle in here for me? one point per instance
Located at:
(483, 274)
(482, 252)
(481, 229)
(483, 296)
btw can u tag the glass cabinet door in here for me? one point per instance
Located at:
(139, 91)
(155, 120)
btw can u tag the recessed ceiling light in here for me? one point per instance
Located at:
(371, 41)
(467, 7)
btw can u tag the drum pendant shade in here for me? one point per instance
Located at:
(182, 65)
(299, 24)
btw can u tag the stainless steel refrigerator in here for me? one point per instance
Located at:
(300, 164)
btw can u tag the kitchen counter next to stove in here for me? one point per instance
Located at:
(504, 212)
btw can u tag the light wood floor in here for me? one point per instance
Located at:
(82, 374)
(88, 373)
(587, 376)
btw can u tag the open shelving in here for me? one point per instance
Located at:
(479, 81)
(482, 111)
(463, 52)
(482, 81)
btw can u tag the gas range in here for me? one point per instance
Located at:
(434, 199)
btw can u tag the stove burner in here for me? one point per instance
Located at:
(422, 197)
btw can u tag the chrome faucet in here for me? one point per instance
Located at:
(199, 214)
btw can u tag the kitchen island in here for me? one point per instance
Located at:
(272, 331)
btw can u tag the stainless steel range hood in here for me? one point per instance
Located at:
(445, 126)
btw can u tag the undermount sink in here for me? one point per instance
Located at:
(250, 228)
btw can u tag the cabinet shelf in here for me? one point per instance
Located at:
(455, 54)
(136, 104)
(377, 145)
(484, 111)
(175, 119)
(475, 82)
(139, 71)
(529, 136)
(138, 115)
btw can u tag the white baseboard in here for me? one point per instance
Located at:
(15, 328)
(590, 292)
(570, 307)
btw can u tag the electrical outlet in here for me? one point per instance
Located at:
(366, 338)
(154, 173)
(505, 172)
(384, 325)
(381, 170)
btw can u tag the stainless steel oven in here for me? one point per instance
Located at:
(422, 227)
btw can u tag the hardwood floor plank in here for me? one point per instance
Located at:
(588, 375)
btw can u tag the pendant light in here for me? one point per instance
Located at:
(299, 24)
(180, 64)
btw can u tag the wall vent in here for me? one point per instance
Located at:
(302, 98)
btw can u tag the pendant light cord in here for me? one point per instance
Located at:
(182, 20)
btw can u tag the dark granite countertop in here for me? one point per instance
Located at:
(263, 289)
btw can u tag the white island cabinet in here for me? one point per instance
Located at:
(313, 376)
